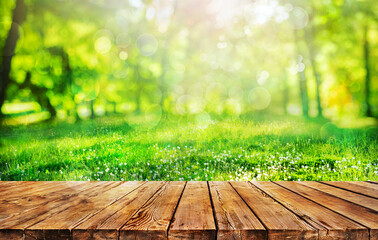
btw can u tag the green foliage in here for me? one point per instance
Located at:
(184, 79)
(142, 53)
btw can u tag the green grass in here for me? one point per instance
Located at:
(110, 149)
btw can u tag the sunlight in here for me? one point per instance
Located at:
(224, 10)
(260, 12)
(147, 44)
(103, 45)
(210, 74)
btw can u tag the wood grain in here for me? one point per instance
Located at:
(192, 210)
(194, 217)
(18, 221)
(363, 188)
(25, 201)
(29, 188)
(279, 221)
(364, 201)
(153, 219)
(107, 223)
(234, 218)
(372, 182)
(60, 225)
(355, 212)
(330, 224)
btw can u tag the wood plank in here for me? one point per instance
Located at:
(30, 188)
(279, 222)
(12, 209)
(10, 184)
(363, 188)
(25, 201)
(7, 185)
(355, 212)
(194, 217)
(153, 219)
(59, 226)
(234, 218)
(107, 223)
(16, 223)
(364, 201)
(330, 224)
(201, 210)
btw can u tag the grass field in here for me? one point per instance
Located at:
(110, 149)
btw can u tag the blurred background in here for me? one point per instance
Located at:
(151, 60)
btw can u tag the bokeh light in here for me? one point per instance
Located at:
(298, 17)
(147, 44)
(259, 98)
(103, 45)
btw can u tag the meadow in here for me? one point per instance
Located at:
(109, 148)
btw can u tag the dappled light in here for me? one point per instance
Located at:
(188, 90)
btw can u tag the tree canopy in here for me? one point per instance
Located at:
(201, 58)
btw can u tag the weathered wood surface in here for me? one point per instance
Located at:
(363, 188)
(194, 217)
(235, 220)
(188, 210)
(330, 225)
(280, 222)
(152, 220)
(364, 216)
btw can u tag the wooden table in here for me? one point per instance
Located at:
(188, 210)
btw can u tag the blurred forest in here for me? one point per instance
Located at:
(156, 59)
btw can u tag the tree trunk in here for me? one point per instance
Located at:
(50, 108)
(302, 82)
(369, 112)
(91, 107)
(318, 82)
(285, 98)
(139, 90)
(40, 93)
(114, 107)
(163, 87)
(68, 77)
(303, 91)
(19, 15)
(310, 46)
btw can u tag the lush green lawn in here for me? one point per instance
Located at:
(109, 149)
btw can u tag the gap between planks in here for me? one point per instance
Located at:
(214, 229)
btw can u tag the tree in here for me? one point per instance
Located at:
(367, 75)
(19, 15)
(311, 33)
(302, 79)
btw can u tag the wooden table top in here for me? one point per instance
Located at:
(188, 210)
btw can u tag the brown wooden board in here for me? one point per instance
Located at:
(17, 222)
(234, 218)
(279, 221)
(153, 219)
(364, 201)
(6, 185)
(59, 226)
(372, 182)
(330, 224)
(29, 188)
(194, 217)
(355, 212)
(13, 205)
(362, 188)
(192, 210)
(107, 223)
